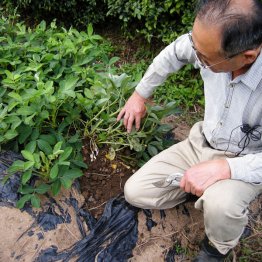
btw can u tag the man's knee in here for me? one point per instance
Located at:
(129, 192)
(134, 193)
(143, 195)
(224, 216)
(225, 205)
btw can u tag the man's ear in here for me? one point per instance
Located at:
(251, 55)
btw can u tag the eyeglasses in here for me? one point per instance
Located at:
(200, 61)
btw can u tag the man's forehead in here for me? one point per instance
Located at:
(206, 38)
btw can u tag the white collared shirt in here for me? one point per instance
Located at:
(227, 106)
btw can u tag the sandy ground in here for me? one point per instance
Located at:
(176, 235)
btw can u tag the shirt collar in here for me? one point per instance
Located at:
(254, 74)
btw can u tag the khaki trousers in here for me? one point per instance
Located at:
(224, 204)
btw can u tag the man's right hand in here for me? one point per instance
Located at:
(133, 111)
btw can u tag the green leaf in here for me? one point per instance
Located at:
(157, 144)
(35, 134)
(2, 139)
(31, 146)
(14, 120)
(44, 146)
(44, 114)
(26, 189)
(55, 154)
(26, 110)
(84, 60)
(26, 176)
(3, 113)
(2, 92)
(43, 157)
(17, 166)
(21, 202)
(164, 128)
(67, 87)
(119, 81)
(56, 187)
(96, 37)
(64, 163)
(54, 171)
(152, 150)
(29, 120)
(42, 26)
(73, 173)
(35, 201)
(12, 105)
(42, 189)
(24, 132)
(28, 165)
(37, 160)
(3, 125)
(88, 93)
(79, 163)
(57, 147)
(15, 96)
(113, 60)
(75, 138)
(146, 156)
(66, 182)
(67, 152)
(6, 178)
(10, 134)
(90, 30)
(51, 139)
(27, 155)
(135, 144)
(102, 101)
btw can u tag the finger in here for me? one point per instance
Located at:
(188, 187)
(138, 122)
(199, 191)
(182, 183)
(130, 123)
(126, 117)
(120, 115)
(193, 191)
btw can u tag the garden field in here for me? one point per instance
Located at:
(62, 85)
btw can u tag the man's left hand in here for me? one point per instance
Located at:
(199, 177)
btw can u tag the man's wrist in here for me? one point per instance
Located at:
(138, 95)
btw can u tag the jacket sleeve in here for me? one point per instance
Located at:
(247, 168)
(170, 60)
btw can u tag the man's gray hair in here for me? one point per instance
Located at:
(241, 26)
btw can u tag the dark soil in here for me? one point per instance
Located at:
(103, 179)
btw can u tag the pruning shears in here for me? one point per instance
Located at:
(172, 180)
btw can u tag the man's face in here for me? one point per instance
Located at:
(206, 41)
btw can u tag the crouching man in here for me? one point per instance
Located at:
(221, 160)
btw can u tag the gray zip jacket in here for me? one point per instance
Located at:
(233, 108)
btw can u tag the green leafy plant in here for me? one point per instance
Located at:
(68, 12)
(154, 20)
(184, 87)
(58, 87)
(42, 71)
(162, 20)
(102, 127)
